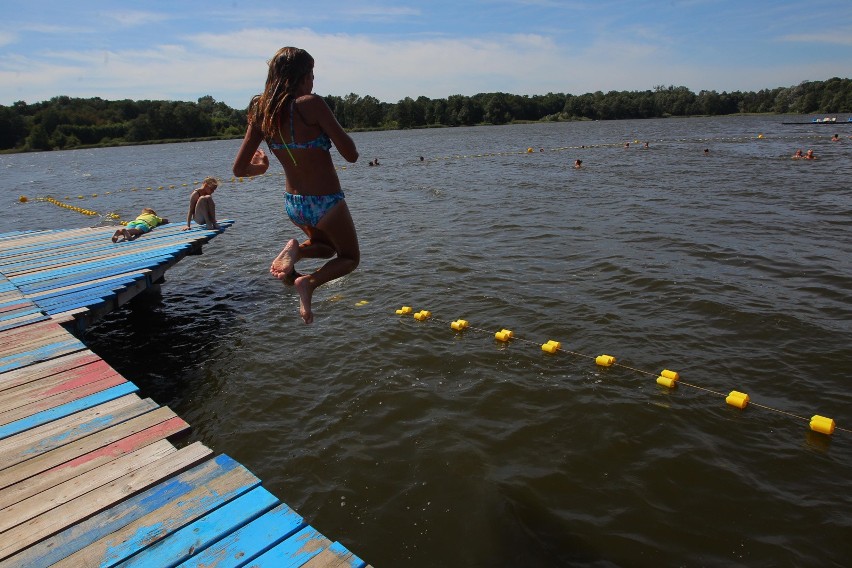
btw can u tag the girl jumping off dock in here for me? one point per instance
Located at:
(299, 129)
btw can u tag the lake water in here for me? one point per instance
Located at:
(418, 446)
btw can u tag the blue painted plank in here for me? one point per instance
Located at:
(18, 313)
(97, 293)
(100, 241)
(51, 256)
(64, 544)
(87, 425)
(159, 524)
(90, 267)
(117, 282)
(66, 409)
(294, 551)
(201, 533)
(42, 282)
(60, 280)
(43, 353)
(249, 541)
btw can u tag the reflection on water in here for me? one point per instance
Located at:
(418, 446)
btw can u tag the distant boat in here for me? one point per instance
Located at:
(826, 120)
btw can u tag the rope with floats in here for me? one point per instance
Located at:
(665, 378)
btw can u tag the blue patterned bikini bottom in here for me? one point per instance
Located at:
(309, 209)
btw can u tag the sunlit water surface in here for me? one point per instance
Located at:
(417, 446)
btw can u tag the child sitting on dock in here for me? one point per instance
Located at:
(146, 221)
(201, 206)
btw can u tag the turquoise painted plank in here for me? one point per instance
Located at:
(64, 261)
(294, 551)
(249, 541)
(70, 238)
(34, 285)
(89, 267)
(95, 292)
(73, 306)
(66, 409)
(51, 256)
(109, 552)
(77, 537)
(43, 353)
(101, 240)
(118, 282)
(43, 282)
(201, 533)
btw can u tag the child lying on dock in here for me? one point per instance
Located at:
(139, 226)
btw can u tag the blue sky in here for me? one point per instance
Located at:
(186, 49)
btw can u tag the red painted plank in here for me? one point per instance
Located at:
(87, 462)
(129, 444)
(14, 378)
(55, 384)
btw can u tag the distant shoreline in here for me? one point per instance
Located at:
(382, 129)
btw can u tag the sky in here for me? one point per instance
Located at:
(186, 49)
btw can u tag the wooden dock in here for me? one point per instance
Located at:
(88, 476)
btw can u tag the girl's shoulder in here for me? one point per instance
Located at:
(311, 103)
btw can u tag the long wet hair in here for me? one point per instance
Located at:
(286, 70)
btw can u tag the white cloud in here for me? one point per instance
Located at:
(133, 18)
(839, 37)
(7, 38)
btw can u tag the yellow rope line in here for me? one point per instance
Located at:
(513, 338)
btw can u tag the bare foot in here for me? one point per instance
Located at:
(284, 264)
(306, 291)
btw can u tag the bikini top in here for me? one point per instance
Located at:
(322, 141)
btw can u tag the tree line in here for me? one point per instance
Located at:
(65, 122)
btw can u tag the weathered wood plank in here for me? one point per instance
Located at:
(161, 522)
(54, 385)
(44, 525)
(80, 535)
(17, 377)
(183, 543)
(83, 446)
(335, 556)
(65, 492)
(21, 359)
(66, 409)
(33, 407)
(36, 441)
(23, 320)
(249, 541)
(37, 334)
(55, 260)
(85, 463)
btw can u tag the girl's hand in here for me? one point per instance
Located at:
(260, 158)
